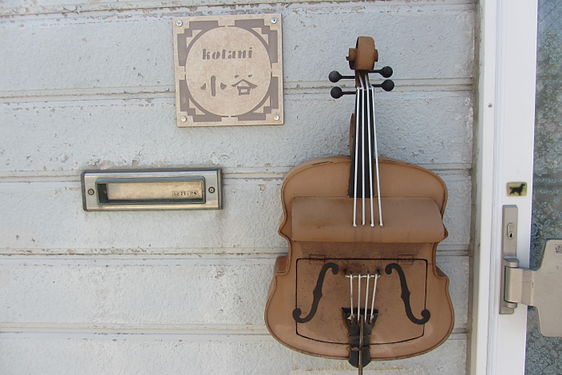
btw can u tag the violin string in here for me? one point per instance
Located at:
(369, 98)
(351, 295)
(356, 161)
(358, 297)
(363, 91)
(377, 275)
(366, 298)
(376, 156)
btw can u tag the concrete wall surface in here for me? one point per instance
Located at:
(87, 84)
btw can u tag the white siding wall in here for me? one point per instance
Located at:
(89, 84)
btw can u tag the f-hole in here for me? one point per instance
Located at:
(406, 295)
(317, 294)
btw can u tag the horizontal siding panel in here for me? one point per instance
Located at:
(46, 217)
(25, 7)
(88, 84)
(417, 127)
(134, 49)
(145, 355)
(172, 295)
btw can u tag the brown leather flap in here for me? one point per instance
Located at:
(330, 219)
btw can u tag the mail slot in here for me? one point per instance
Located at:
(151, 190)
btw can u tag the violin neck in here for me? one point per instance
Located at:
(364, 181)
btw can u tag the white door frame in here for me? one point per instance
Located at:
(503, 153)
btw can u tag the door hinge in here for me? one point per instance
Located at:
(541, 288)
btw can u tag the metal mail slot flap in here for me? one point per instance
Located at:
(152, 190)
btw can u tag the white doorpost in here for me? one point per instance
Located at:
(503, 153)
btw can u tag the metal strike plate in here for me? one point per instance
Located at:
(541, 288)
(186, 189)
(509, 251)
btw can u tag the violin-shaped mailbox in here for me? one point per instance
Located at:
(360, 280)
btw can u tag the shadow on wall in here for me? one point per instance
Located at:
(544, 354)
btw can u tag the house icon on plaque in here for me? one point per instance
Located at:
(244, 87)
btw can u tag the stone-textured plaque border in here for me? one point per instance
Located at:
(268, 108)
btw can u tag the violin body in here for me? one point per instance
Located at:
(354, 285)
(316, 211)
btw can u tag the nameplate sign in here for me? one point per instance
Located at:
(229, 70)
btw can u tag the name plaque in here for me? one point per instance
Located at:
(229, 70)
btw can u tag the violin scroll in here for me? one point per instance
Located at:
(362, 59)
(364, 55)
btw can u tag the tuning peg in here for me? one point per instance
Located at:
(337, 92)
(336, 76)
(385, 72)
(386, 85)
